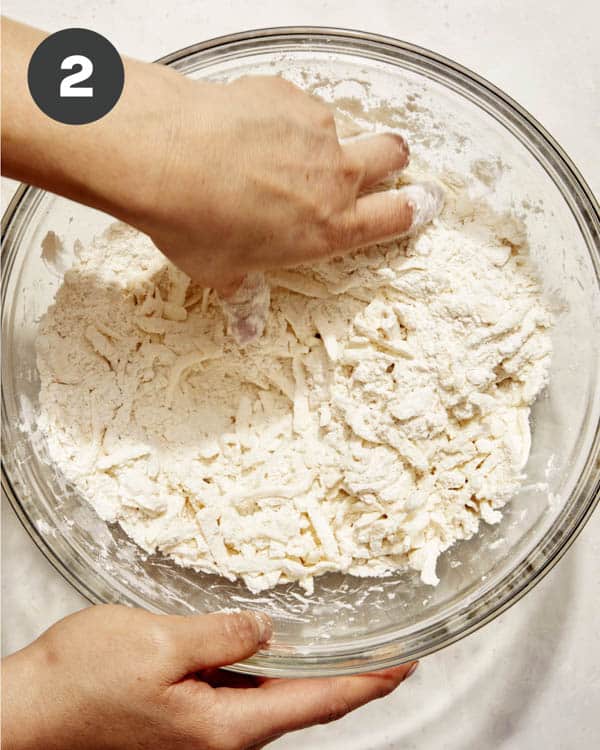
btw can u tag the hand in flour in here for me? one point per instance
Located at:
(271, 185)
(227, 179)
(112, 677)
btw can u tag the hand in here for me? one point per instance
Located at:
(227, 179)
(254, 177)
(113, 677)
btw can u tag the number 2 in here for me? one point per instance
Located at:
(86, 70)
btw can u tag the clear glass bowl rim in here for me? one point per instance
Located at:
(586, 211)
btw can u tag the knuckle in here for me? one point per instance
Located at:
(323, 215)
(352, 172)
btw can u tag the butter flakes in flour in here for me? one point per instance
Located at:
(382, 415)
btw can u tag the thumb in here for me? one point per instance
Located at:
(216, 640)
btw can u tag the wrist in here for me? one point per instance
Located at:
(140, 135)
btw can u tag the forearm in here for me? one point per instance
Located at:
(114, 164)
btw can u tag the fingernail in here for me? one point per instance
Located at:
(412, 670)
(265, 627)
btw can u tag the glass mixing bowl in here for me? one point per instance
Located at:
(349, 624)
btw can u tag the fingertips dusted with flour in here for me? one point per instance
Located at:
(246, 308)
(426, 200)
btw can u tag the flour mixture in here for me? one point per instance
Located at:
(381, 416)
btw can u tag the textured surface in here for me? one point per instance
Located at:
(532, 677)
(381, 414)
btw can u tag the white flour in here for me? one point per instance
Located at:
(382, 415)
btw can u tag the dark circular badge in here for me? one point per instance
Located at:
(76, 76)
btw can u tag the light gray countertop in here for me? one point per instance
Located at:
(530, 679)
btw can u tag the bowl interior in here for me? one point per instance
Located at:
(348, 624)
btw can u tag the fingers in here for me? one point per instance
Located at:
(382, 216)
(378, 155)
(229, 288)
(207, 641)
(427, 201)
(280, 706)
(246, 308)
